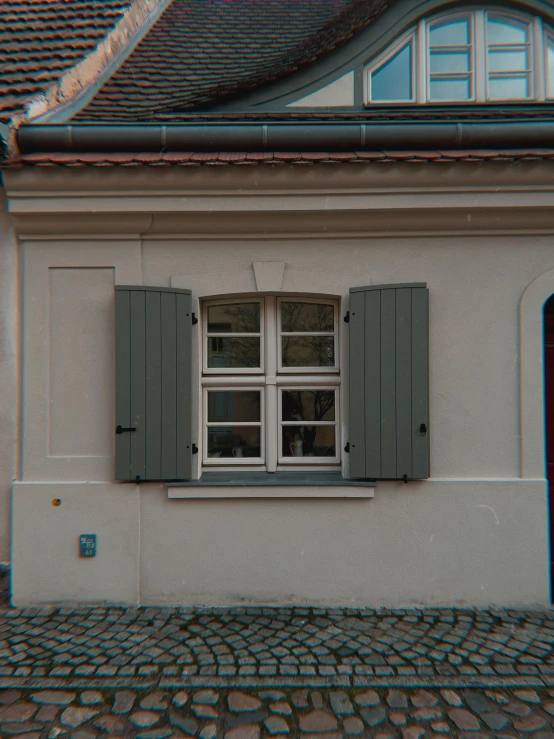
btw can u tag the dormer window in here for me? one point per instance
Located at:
(473, 56)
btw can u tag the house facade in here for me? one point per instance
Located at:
(279, 311)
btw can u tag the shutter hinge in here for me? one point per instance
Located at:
(347, 447)
(194, 449)
(194, 319)
(347, 317)
(423, 429)
(122, 429)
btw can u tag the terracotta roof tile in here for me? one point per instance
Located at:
(187, 159)
(200, 51)
(40, 39)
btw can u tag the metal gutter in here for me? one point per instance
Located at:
(284, 136)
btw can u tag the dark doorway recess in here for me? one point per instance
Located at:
(549, 420)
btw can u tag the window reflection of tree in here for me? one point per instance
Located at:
(306, 317)
(305, 405)
(308, 351)
(238, 351)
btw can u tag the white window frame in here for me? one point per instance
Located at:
(392, 51)
(207, 335)
(282, 459)
(236, 461)
(270, 381)
(280, 334)
(421, 76)
(425, 77)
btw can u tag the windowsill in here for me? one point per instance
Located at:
(271, 485)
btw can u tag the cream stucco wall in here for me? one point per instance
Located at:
(476, 532)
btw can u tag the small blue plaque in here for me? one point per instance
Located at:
(87, 544)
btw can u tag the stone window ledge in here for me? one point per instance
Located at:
(272, 485)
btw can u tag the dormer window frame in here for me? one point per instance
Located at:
(539, 45)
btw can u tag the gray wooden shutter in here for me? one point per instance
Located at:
(153, 383)
(389, 356)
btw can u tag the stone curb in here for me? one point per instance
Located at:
(111, 683)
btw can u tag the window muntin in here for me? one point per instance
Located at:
(474, 56)
(253, 416)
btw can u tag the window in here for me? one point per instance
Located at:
(270, 387)
(270, 383)
(471, 56)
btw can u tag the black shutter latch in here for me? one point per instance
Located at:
(123, 429)
(423, 429)
(194, 319)
(405, 478)
(347, 317)
(347, 447)
(194, 449)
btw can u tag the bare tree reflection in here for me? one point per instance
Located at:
(307, 405)
(307, 351)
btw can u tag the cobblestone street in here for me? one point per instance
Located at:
(245, 673)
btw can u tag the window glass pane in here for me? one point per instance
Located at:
(450, 33)
(393, 80)
(450, 89)
(308, 351)
(235, 405)
(240, 318)
(308, 405)
(506, 31)
(307, 317)
(308, 441)
(227, 352)
(550, 70)
(234, 442)
(510, 61)
(449, 61)
(508, 88)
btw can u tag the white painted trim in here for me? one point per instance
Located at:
(531, 321)
(261, 424)
(292, 491)
(334, 334)
(219, 371)
(283, 460)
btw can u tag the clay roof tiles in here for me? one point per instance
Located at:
(197, 159)
(200, 51)
(40, 39)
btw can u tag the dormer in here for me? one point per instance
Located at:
(471, 56)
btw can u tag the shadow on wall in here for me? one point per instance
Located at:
(4, 585)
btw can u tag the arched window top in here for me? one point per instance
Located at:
(469, 56)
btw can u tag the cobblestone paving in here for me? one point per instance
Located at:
(260, 714)
(279, 646)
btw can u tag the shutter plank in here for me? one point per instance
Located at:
(357, 386)
(388, 384)
(122, 384)
(420, 381)
(372, 400)
(404, 383)
(153, 387)
(168, 331)
(184, 387)
(138, 385)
